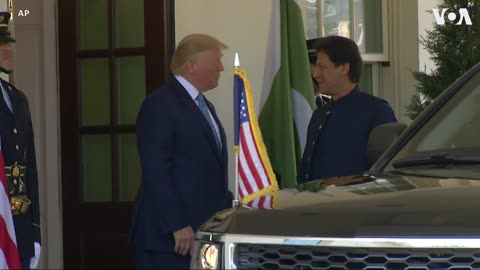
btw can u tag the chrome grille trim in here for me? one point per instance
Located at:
(230, 241)
(265, 257)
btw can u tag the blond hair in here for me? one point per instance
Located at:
(190, 46)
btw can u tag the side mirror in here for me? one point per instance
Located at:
(381, 138)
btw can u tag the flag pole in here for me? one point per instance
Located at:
(236, 201)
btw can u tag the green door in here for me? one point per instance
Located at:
(112, 54)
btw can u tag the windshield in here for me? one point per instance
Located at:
(450, 138)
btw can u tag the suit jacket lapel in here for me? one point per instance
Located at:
(223, 137)
(223, 154)
(198, 115)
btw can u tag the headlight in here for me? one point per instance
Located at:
(209, 256)
(206, 255)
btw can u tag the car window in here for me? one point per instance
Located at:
(456, 126)
(454, 129)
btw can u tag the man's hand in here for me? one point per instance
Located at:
(184, 241)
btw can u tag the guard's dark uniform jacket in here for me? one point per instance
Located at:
(20, 168)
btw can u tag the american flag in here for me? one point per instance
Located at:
(257, 185)
(9, 258)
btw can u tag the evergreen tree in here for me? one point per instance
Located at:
(453, 48)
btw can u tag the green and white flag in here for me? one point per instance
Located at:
(287, 98)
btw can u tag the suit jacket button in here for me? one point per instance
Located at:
(16, 146)
(15, 130)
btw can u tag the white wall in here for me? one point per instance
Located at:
(242, 26)
(3, 5)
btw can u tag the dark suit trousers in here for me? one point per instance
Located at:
(25, 264)
(148, 259)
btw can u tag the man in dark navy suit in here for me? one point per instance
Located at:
(183, 153)
(18, 150)
(338, 132)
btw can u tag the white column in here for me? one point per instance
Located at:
(425, 23)
(398, 84)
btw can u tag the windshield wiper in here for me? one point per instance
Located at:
(443, 159)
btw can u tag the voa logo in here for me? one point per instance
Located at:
(452, 16)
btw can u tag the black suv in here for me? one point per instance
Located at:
(415, 209)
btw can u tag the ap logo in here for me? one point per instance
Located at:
(452, 16)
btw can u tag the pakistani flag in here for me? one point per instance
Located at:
(287, 96)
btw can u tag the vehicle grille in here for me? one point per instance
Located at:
(257, 256)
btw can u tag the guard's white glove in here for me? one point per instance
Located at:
(34, 260)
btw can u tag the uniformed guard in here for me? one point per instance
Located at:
(320, 100)
(338, 131)
(19, 154)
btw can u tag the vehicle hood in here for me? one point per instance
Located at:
(364, 206)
